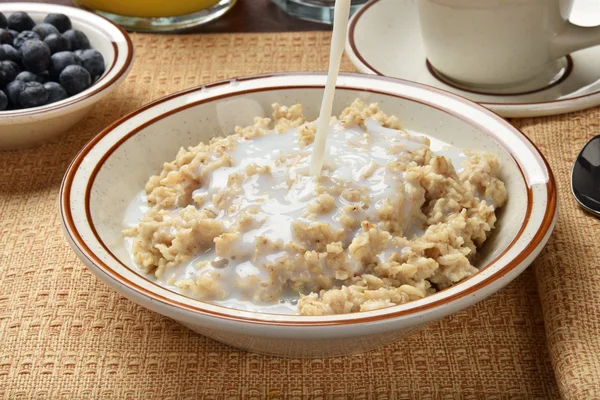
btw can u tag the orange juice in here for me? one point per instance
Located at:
(148, 8)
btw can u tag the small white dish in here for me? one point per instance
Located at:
(34, 126)
(112, 168)
(384, 38)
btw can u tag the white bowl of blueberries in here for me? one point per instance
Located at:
(56, 62)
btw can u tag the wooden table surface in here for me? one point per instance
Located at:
(245, 16)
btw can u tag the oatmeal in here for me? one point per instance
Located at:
(240, 221)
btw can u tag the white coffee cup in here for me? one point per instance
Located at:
(499, 43)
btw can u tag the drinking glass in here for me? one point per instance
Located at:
(315, 10)
(158, 15)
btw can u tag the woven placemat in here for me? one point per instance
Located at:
(64, 334)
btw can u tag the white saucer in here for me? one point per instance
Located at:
(384, 38)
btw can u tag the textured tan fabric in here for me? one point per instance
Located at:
(568, 270)
(64, 334)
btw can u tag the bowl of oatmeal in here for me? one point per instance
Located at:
(201, 206)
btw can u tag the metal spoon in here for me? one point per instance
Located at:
(585, 177)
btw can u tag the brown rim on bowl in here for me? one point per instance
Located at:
(438, 75)
(64, 198)
(96, 88)
(352, 42)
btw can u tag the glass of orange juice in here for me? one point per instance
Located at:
(158, 15)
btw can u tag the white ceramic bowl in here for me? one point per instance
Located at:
(115, 165)
(34, 126)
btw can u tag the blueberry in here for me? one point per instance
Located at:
(57, 42)
(75, 79)
(3, 55)
(60, 21)
(27, 76)
(36, 56)
(11, 53)
(6, 37)
(3, 101)
(20, 21)
(55, 91)
(34, 94)
(23, 37)
(15, 66)
(3, 21)
(78, 39)
(93, 61)
(13, 33)
(61, 60)
(44, 30)
(13, 90)
(7, 73)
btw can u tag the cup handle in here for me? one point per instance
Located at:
(575, 38)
